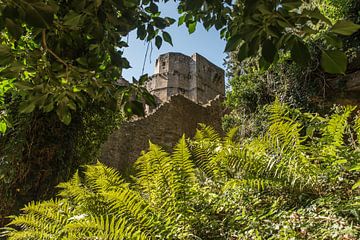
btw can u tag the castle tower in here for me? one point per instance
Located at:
(194, 77)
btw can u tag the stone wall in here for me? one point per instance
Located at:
(163, 127)
(344, 90)
(193, 77)
(209, 79)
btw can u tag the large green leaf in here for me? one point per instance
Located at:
(3, 126)
(268, 51)
(73, 20)
(243, 52)
(193, 4)
(300, 53)
(5, 55)
(14, 29)
(316, 14)
(232, 43)
(27, 107)
(345, 27)
(158, 42)
(192, 27)
(39, 14)
(64, 114)
(334, 61)
(141, 32)
(153, 8)
(167, 38)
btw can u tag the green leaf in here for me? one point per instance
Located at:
(346, 28)
(49, 107)
(39, 14)
(64, 114)
(5, 55)
(193, 4)
(160, 23)
(169, 20)
(141, 32)
(263, 64)
(73, 20)
(254, 46)
(143, 79)
(167, 38)
(149, 99)
(355, 168)
(268, 51)
(300, 53)
(14, 29)
(334, 61)
(27, 107)
(243, 52)
(250, 6)
(158, 42)
(153, 8)
(181, 20)
(333, 40)
(291, 5)
(232, 43)
(24, 86)
(192, 27)
(356, 185)
(315, 13)
(3, 127)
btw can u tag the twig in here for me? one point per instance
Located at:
(46, 49)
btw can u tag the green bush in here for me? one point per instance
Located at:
(296, 181)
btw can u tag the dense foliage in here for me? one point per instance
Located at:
(300, 86)
(60, 62)
(296, 181)
(59, 91)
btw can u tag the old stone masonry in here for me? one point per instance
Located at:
(188, 91)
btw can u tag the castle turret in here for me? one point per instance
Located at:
(194, 77)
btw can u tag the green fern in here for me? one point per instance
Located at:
(212, 187)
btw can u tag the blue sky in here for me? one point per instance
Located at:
(206, 43)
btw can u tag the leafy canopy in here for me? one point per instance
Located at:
(62, 55)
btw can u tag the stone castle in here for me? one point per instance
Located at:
(193, 77)
(188, 91)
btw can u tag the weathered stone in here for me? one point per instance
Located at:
(164, 127)
(193, 77)
(344, 90)
(189, 91)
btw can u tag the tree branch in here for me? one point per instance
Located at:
(46, 49)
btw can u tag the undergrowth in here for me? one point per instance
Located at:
(298, 180)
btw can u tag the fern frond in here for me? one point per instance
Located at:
(208, 148)
(41, 220)
(230, 135)
(161, 175)
(103, 227)
(206, 133)
(183, 169)
(102, 178)
(334, 130)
